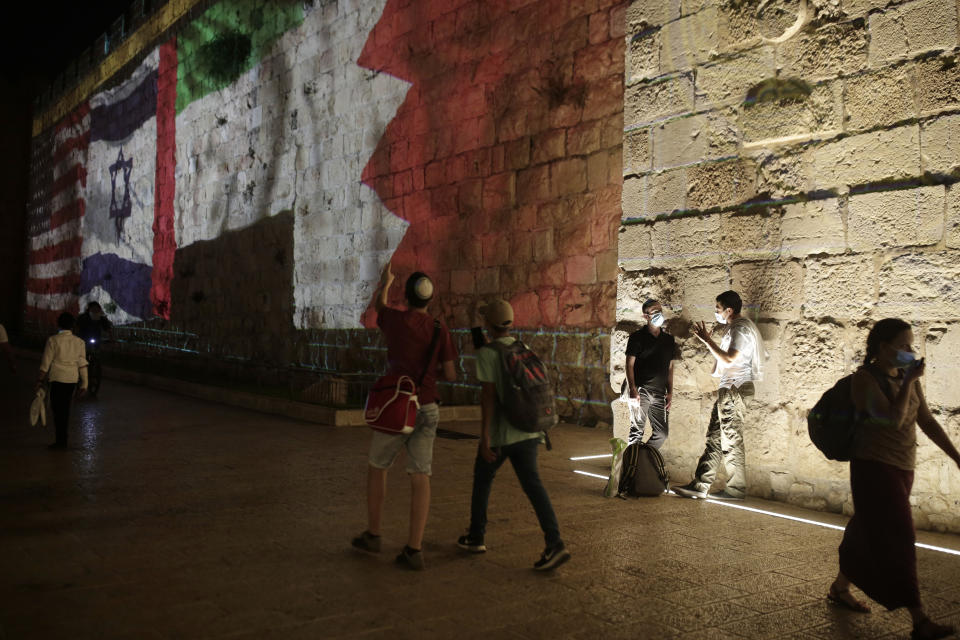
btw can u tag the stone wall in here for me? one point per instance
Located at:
(804, 153)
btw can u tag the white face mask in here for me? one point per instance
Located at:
(657, 319)
(720, 318)
(905, 359)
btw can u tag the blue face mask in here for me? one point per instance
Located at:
(657, 319)
(904, 359)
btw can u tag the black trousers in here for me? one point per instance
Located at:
(61, 394)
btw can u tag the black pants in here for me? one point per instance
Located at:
(61, 394)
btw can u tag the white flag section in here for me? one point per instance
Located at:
(118, 225)
(294, 134)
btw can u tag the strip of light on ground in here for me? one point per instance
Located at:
(602, 455)
(592, 475)
(725, 503)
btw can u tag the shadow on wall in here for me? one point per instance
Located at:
(236, 292)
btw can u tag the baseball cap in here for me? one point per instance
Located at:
(498, 312)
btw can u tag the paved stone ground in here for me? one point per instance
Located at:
(176, 518)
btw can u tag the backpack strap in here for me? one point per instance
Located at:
(882, 383)
(434, 344)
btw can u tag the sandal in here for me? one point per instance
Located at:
(845, 599)
(930, 630)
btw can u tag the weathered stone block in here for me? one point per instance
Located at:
(768, 389)
(921, 286)
(779, 176)
(685, 242)
(952, 231)
(750, 236)
(832, 50)
(714, 184)
(913, 27)
(665, 192)
(646, 102)
(888, 219)
(770, 289)
(812, 228)
(940, 141)
(864, 109)
(642, 14)
(679, 141)
(813, 361)
(881, 155)
(636, 151)
(785, 120)
(859, 8)
(941, 347)
(842, 288)
(766, 435)
(726, 82)
(938, 83)
(688, 42)
(635, 249)
(634, 197)
(643, 55)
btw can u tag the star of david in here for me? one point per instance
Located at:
(120, 207)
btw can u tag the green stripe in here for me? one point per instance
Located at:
(230, 38)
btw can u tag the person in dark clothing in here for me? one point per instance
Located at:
(878, 552)
(649, 385)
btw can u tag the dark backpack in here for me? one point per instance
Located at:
(832, 421)
(643, 472)
(526, 397)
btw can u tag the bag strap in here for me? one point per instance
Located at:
(882, 383)
(434, 343)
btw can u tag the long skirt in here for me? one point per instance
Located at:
(878, 553)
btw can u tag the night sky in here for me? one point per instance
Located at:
(44, 36)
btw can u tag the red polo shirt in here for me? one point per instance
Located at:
(408, 335)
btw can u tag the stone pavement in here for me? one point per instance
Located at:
(176, 518)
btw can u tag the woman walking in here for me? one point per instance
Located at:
(878, 553)
(64, 363)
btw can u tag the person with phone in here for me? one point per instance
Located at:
(877, 553)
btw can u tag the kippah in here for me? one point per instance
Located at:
(423, 288)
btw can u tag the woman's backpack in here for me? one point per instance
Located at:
(832, 422)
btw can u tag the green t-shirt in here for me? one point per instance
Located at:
(489, 370)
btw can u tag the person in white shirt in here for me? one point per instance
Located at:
(7, 351)
(64, 364)
(739, 363)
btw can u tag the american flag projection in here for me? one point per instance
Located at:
(57, 208)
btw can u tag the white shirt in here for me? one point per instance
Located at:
(742, 337)
(65, 358)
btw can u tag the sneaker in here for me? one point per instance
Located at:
(724, 495)
(366, 541)
(552, 557)
(411, 558)
(473, 545)
(689, 491)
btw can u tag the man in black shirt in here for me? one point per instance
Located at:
(650, 355)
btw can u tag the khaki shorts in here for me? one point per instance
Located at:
(384, 448)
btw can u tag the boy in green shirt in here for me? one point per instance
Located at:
(499, 441)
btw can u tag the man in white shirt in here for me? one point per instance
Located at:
(739, 364)
(7, 351)
(64, 363)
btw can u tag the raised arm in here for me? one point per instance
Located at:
(386, 279)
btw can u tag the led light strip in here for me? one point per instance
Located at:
(592, 475)
(724, 503)
(602, 455)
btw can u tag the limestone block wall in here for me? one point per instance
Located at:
(805, 153)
